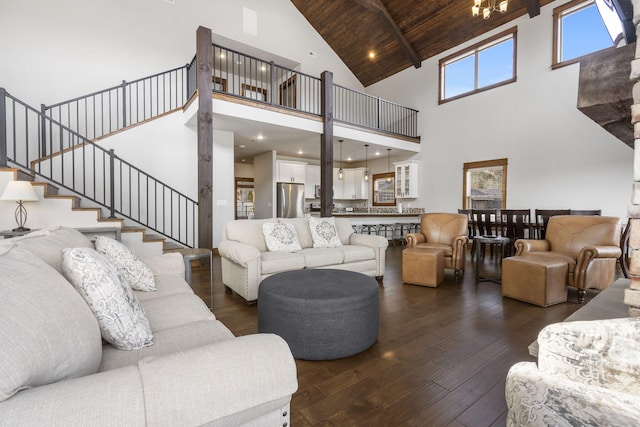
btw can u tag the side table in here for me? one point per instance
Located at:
(498, 241)
(199, 254)
(7, 234)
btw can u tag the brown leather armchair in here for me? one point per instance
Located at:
(446, 231)
(589, 244)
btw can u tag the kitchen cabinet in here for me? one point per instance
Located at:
(291, 171)
(311, 181)
(406, 179)
(352, 187)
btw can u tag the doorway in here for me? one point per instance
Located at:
(245, 196)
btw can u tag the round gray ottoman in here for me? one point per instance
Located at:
(322, 314)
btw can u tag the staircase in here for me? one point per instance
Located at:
(55, 209)
(41, 147)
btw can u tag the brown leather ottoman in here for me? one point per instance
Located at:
(423, 266)
(535, 280)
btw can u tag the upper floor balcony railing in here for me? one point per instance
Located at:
(245, 76)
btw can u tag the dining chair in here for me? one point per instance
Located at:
(542, 219)
(515, 224)
(467, 212)
(594, 212)
(484, 221)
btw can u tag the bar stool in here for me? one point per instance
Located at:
(415, 227)
(369, 229)
(386, 231)
(400, 231)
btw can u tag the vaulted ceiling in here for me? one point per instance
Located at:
(401, 33)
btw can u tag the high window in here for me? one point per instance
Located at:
(481, 67)
(579, 29)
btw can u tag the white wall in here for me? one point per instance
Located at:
(224, 197)
(558, 158)
(54, 51)
(264, 184)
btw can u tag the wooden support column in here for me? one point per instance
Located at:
(326, 144)
(204, 61)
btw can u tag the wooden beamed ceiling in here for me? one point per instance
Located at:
(401, 33)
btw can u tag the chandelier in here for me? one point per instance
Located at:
(488, 6)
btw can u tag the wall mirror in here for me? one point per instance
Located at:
(384, 189)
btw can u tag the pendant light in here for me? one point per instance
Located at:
(366, 167)
(340, 171)
(389, 164)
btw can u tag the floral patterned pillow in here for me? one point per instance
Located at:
(135, 272)
(123, 323)
(280, 237)
(324, 232)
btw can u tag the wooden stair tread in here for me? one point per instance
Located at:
(171, 246)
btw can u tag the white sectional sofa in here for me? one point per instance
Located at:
(56, 370)
(246, 260)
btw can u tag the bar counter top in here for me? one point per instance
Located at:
(373, 215)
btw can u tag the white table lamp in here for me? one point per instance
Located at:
(20, 192)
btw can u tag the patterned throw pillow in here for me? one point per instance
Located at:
(324, 232)
(135, 272)
(122, 321)
(280, 237)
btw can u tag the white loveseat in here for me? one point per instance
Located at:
(56, 370)
(246, 261)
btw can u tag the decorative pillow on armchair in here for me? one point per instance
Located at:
(122, 321)
(135, 272)
(324, 232)
(280, 237)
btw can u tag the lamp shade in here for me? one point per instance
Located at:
(19, 191)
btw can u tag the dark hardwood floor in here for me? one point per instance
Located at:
(441, 357)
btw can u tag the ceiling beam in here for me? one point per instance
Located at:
(533, 7)
(378, 7)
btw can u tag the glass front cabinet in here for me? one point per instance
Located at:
(406, 179)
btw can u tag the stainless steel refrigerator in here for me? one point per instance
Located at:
(290, 200)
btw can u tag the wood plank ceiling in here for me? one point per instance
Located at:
(402, 33)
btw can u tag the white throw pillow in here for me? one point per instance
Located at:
(135, 272)
(122, 321)
(324, 232)
(280, 237)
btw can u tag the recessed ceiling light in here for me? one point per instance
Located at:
(372, 54)
(260, 137)
(263, 68)
(300, 152)
(348, 159)
(242, 146)
(222, 55)
(377, 153)
(243, 160)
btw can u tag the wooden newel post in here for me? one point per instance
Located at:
(204, 86)
(326, 144)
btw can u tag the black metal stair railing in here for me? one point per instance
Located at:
(27, 139)
(110, 110)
